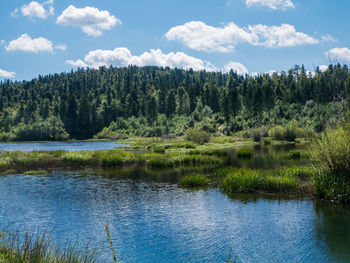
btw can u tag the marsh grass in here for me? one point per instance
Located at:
(39, 249)
(282, 180)
(330, 155)
(244, 153)
(194, 181)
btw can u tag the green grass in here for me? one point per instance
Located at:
(282, 180)
(194, 180)
(39, 249)
(244, 153)
(8, 172)
(36, 172)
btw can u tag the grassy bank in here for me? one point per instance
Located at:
(11, 162)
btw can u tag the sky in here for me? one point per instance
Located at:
(248, 36)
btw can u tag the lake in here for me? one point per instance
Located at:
(151, 219)
(65, 146)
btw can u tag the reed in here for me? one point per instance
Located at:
(244, 153)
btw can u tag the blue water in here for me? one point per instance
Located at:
(152, 220)
(66, 146)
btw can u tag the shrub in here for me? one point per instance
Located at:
(197, 136)
(244, 153)
(194, 180)
(294, 154)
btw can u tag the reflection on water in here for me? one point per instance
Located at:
(333, 228)
(152, 220)
(55, 146)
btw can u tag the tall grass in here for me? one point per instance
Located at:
(280, 180)
(194, 180)
(330, 154)
(39, 249)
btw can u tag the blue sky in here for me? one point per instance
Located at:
(42, 37)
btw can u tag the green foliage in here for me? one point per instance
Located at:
(195, 180)
(294, 154)
(244, 153)
(330, 154)
(197, 136)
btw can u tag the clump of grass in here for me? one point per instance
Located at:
(116, 158)
(267, 142)
(38, 248)
(159, 149)
(247, 180)
(36, 172)
(244, 153)
(194, 180)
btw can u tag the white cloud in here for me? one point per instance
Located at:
(237, 67)
(61, 46)
(122, 57)
(329, 38)
(7, 74)
(199, 36)
(36, 10)
(2, 42)
(77, 63)
(90, 19)
(339, 54)
(28, 44)
(273, 4)
(280, 36)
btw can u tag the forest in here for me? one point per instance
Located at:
(114, 103)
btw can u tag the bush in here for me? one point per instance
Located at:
(198, 136)
(294, 154)
(244, 153)
(194, 180)
(36, 172)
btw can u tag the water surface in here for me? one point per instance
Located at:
(152, 220)
(66, 146)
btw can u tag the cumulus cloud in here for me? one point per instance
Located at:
(7, 74)
(272, 4)
(202, 37)
(122, 57)
(90, 19)
(36, 10)
(280, 36)
(237, 67)
(339, 54)
(28, 44)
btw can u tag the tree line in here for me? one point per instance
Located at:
(153, 101)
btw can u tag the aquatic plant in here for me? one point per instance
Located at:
(247, 180)
(159, 149)
(194, 180)
(109, 237)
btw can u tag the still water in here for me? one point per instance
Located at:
(65, 146)
(151, 219)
